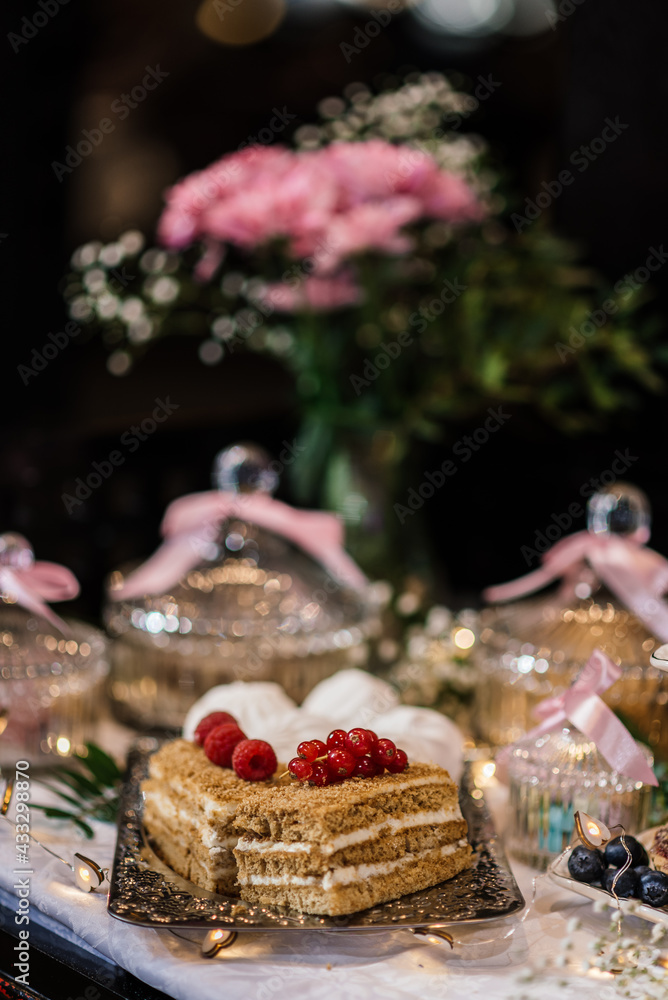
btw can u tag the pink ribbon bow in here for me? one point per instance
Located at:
(636, 574)
(582, 706)
(192, 522)
(31, 586)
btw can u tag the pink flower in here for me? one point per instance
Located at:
(327, 204)
(371, 226)
(316, 294)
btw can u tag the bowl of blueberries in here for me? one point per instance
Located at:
(598, 870)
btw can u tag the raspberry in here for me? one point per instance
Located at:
(254, 760)
(358, 742)
(300, 769)
(399, 764)
(206, 724)
(366, 767)
(340, 763)
(220, 743)
(384, 751)
(337, 739)
(320, 776)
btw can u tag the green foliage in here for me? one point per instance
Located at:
(91, 789)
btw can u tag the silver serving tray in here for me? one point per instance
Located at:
(145, 891)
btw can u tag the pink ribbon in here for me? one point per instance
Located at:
(636, 574)
(582, 706)
(192, 522)
(33, 585)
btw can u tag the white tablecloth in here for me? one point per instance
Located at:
(391, 965)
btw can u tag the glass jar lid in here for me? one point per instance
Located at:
(250, 586)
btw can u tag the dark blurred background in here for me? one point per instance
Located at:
(561, 69)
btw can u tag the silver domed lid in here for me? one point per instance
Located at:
(252, 590)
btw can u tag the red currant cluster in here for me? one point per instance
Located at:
(354, 754)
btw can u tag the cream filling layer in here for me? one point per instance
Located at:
(393, 824)
(349, 873)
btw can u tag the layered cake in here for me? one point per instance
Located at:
(352, 845)
(345, 837)
(189, 809)
(659, 850)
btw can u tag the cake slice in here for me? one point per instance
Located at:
(352, 845)
(189, 810)
(659, 850)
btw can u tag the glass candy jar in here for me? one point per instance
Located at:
(532, 649)
(254, 607)
(51, 678)
(554, 776)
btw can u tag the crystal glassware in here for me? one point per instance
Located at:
(556, 775)
(256, 607)
(52, 672)
(532, 649)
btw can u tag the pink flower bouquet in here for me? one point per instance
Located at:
(323, 207)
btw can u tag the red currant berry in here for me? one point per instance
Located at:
(384, 751)
(340, 762)
(358, 742)
(366, 767)
(307, 751)
(319, 775)
(372, 736)
(320, 747)
(400, 762)
(337, 739)
(300, 769)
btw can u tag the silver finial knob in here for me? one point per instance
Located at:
(244, 468)
(15, 551)
(620, 509)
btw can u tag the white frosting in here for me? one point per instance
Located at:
(349, 873)
(393, 824)
(210, 838)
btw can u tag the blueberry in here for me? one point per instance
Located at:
(585, 865)
(626, 884)
(616, 856)
(642, 870)
(653, 888)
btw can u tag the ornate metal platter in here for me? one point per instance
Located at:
(145, 891)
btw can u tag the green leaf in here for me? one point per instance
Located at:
(78, 782)
(101, 765)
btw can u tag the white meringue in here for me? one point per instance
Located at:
(351, 698)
